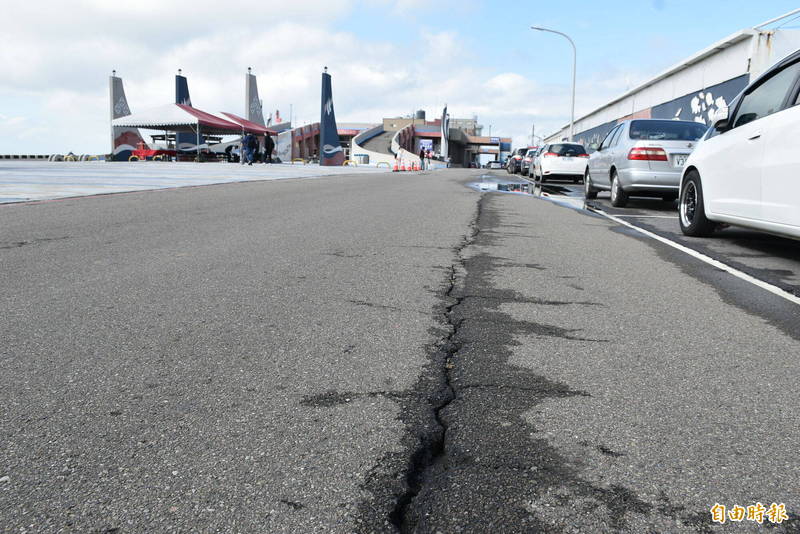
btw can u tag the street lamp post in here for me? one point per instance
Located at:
(574, 64)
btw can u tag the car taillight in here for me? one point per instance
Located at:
(647, 154)
(550, 155)
(583, 155)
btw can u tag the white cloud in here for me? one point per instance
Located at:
(57, 59)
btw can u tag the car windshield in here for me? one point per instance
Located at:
(567, 149)
(521, 151)
(667, 130)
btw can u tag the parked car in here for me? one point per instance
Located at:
(525, 164)
(513, 165)
(535, 160)
(560, 160)
(494, 165)
(643, 157)
(746, 170)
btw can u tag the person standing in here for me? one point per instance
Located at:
(422, 158)
(244, 148)
(269, 146)
(250, 143)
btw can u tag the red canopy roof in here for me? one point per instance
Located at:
(247, 125)
(209, 120)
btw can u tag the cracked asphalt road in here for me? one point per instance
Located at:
(602, 383)
(376, 354)
(219, 359)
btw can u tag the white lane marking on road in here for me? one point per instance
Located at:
(650, 216)
(775, 290)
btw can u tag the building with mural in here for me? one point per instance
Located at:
(694, 88)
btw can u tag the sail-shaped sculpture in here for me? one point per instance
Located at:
(331, 152)
(123, 140)
(184, 141)
(252, 102)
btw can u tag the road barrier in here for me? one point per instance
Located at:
(349, 162)
(133, 158)
(27, 156)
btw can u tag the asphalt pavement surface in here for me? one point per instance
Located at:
(384, 353)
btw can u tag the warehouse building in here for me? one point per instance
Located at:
(696, 87)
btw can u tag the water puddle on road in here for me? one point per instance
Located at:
(499, 184)
(571, 197)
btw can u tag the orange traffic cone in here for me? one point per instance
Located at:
(396, 168)
(416, 167)
(402, 166)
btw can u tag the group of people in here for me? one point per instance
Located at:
(250, 149)
(425, 157)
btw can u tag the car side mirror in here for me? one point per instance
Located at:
(720, 119)
(593, 147)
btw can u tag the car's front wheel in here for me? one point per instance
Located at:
(588, 190)
(619, 198)
(691, 212)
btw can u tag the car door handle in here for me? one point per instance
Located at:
(754, 137)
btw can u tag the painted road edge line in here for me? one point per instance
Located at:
(775, 290)
(650, 216)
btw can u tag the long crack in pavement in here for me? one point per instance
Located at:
(476, 465)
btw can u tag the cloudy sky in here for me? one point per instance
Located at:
(387, 58)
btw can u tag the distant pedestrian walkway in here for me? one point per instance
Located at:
(38, 180)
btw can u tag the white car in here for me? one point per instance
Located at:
(560, 160)
(494, 165)
(746, 169)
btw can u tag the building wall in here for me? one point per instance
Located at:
(394, 124)
(695, 91)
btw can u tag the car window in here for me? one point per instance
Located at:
(666, 130)
(607, 139)
(614, 140)
(567, 149)
(768, 97)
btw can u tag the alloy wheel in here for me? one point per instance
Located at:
(688, 206)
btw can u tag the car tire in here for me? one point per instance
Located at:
(588, 190)
(691, 211)
(619, 198)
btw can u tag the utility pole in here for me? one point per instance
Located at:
(574, 68)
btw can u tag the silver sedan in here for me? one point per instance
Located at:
(641, 157)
